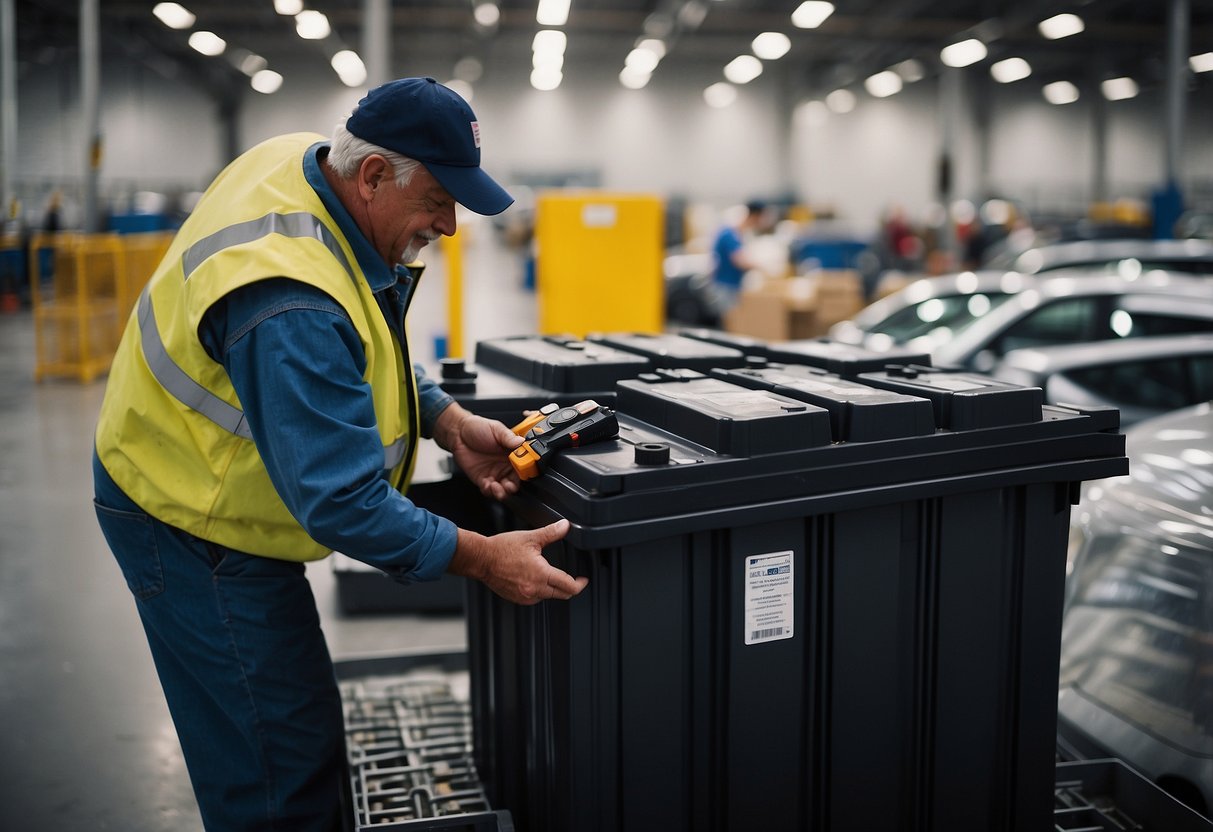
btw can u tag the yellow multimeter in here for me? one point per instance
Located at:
(553, 427)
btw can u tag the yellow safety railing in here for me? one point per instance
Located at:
(82, 303)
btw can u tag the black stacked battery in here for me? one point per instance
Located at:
(846, 360)
(672, 351)
(516, 374)
(792, 622)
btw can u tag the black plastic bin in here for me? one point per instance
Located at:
(790, 629)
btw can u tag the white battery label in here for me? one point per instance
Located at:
(769, 597)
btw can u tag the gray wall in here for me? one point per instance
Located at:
(163, 134)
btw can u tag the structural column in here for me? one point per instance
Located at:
(90, 75)
(377, 41)
(8, 104)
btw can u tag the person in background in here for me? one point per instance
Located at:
(262, 411)
(728, 252)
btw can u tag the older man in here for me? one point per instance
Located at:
(261, 412)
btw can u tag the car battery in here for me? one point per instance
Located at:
(847, 360)
(787, 626)
(858, 413)
(963, 401)
(517, 374)
(672, 351)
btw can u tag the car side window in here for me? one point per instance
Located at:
(1201, 367)
(1154, 323)
(1066, 321)
(1161, 383)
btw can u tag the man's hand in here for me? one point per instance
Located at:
(513, 566)
(481, 449)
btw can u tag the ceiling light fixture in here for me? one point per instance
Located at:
(266, 81)
(1061, 26)
(964, 53)
(545, 78)
(1060, 92)
(720, 95)
(811, 14)
(1202, 62)
(654, 45)
(1010, 70)
(743, 69)
(208, 43)
(841, 101)
(771, 46)
(552, 13)
(486, 14)
(1119, 89)
(634, 79)
(288, 8)
(911, 70)
(312, 25)
(549, 40)
(252, 63)
(349, 68)
(174, 15)
(883, 84)
(469, 69)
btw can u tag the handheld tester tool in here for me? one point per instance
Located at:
(553, 427)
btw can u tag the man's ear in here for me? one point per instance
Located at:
(372, 173)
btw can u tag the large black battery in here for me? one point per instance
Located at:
(516, 374)
(846, 360)
(672, 351)
(806, 632)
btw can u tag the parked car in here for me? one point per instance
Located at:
(1075, 310)
(1128, 258)
(1142, 377)
(1137, 639)
(931, 304)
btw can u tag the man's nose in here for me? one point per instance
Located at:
(445, 224)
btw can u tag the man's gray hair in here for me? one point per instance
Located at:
(347, 151)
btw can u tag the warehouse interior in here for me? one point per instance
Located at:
(846, 121)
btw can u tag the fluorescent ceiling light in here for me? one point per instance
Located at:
(743, 69)
(545, 79)
(174, 15)
(883, 84)
(910, 70)
(1118, 89)
(720, 95)
(288, 8)
(1061, 26)
(266, 81)
(771, 46)
(1202, 62)
(549, 40)
(654, 45)
(486, 14)
(634, 79)
(1060, 92)
(551, 61)
(812, 113)
(469, 69)
(252, 63)
(312, 25)
(349, 68)
(841, 101)
(1009, 70)
(641, 60)
(964, 53)
(208, 43)
(552, 13)
(811, 14)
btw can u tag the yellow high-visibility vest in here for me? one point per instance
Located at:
(172, 432)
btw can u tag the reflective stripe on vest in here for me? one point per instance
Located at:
(175, 380)
(300, 224)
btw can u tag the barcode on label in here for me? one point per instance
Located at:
(767, 633)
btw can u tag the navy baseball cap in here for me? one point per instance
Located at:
(423, 120)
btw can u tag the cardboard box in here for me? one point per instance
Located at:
(798, 307)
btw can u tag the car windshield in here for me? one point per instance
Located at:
(950, 312)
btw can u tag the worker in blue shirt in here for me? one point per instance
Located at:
(730, 261)
(262, 411)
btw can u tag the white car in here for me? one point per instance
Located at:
(1137, 640)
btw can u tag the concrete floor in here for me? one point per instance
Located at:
(87, 742)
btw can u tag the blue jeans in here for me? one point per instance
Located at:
(244, 666)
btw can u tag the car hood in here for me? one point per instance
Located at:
(1170, 491)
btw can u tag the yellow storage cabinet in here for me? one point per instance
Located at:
(598, 262)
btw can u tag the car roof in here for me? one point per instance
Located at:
(1057, 255)
(1181, 292)
(944, 285)
(1166, 494)
(1044, 361)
